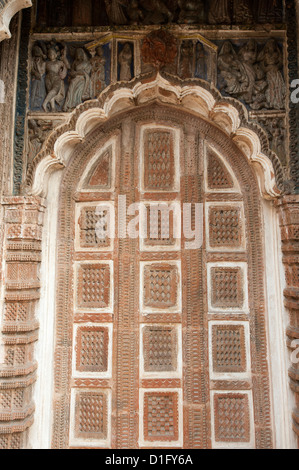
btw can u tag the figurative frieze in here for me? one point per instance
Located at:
(65, 75)
(253, 73)
(73, 13)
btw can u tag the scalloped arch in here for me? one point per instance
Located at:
(190, 96)
(10, 8)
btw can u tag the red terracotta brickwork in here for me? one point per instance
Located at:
(160, 286)
(218, 176)
(100, 175)
(91, 415)
(93, 286)
(160, 349)
(92, 349)
(160, 416)
(225, 227)
(23, 218)
(229, 354)
(159, 160)
(227, 287)
(288, 208)
(232, 419)
(93, 224)
(160, 295)
(159, 228)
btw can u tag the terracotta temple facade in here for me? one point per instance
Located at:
(149, 341)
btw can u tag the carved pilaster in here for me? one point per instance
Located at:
(21, 286)
(289, 221)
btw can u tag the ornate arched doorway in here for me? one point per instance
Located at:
(163, 345)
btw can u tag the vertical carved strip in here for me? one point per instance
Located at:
(21, 102)
(196, 376)
(292, 44)
(22, 257)
(288, 208)
(8, 72)
(127, 310)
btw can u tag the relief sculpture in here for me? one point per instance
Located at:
(38, 73)
(253, 73)
(98, 71)
(64, 76)
(125, 61)
(155, 12)
(56, 72)
(80, 81)
(192, 12)
(219, 12)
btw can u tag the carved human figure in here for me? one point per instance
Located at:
(157, 12)
(192, 11)
(271, 61)
(98, 72)
(80, 81)
(115, 11)
(134, 13)
(187, 56)
(200, 61)
(277, 139)
(56, 72)
(231, 70)
(36, 139)
(255, 91)
(125, 58)
(219, 12)
(38, 72)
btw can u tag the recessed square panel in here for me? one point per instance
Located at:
(94, 286)
(232, 419)
(90, 418)
(159, 153)
(161, 226)
(225, 224)
(160, 418)
(229, 348)
(92, 354)
(161, 351)
(160, 287)
(227, 287)
(95, 226)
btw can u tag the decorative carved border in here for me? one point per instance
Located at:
(21, 103)
(199, 99)
(288, 208)
(292, 45)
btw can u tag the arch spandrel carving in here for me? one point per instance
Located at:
(192, 96)
(10, 8)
